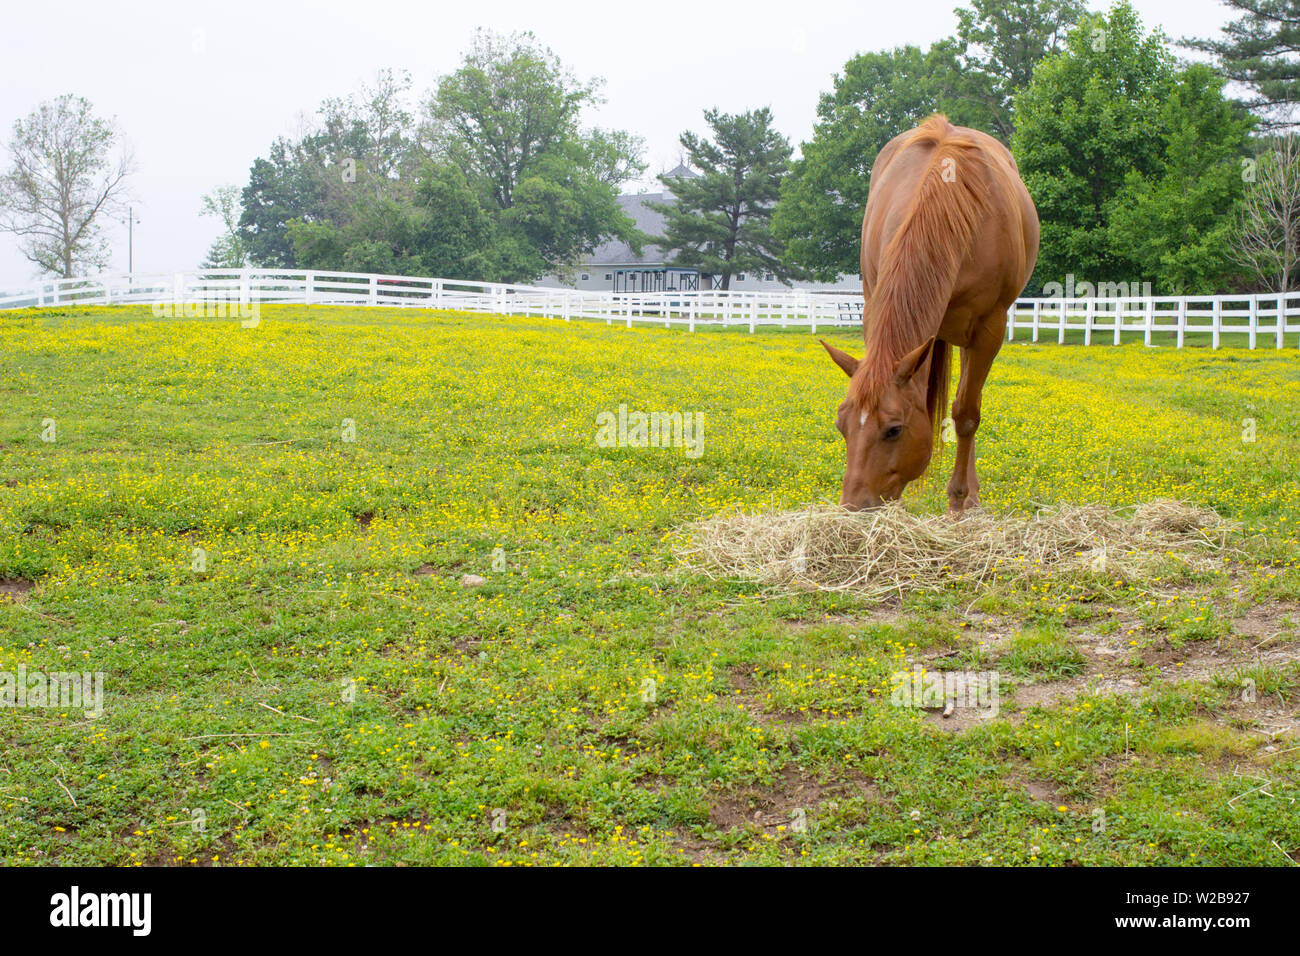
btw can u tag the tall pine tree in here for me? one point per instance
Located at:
(721, 221)
(1260, 49)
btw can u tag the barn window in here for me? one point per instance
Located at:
(585, 277)
(609, 275)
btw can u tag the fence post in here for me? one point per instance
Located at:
(1065, 313)
(1217, 320)
(1182, 321)
(1281, 318)
(753, 314)
(1011, 323)
(812, 310)
(1149, 307)
(311, 287)
(1037, 315)
(1089, 314)
(1254, 318)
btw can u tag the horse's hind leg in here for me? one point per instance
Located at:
(976, 361)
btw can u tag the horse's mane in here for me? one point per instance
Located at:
(919, 266)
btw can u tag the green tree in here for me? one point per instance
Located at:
(1091, 118)
(372, 186)
(878, 96)
(380, 236)
(720, 222)
(1259, 49)
(445, 230)
(361, 155)
(227, 250)
(315, 245)
(509, 118)
(1004, 39)
(287, 185)
(1179, 221)
(68, 169)
(510, 103)
(374, 129)
(455, 235)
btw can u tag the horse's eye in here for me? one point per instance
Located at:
(893, 432)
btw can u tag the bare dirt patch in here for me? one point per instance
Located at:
(15, 588)
(1269, 621)
(1194, 661)
(795, 796)
(747, 695)
(1118, 664)
(887, 611)
(1037, 789)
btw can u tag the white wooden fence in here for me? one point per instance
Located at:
(1248, 319)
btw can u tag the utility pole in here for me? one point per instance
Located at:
(130, 245)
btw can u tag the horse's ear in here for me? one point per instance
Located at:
(843, 359)
(913, 362)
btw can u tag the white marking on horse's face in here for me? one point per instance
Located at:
(863, 419)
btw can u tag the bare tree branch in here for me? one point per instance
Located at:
(68, 169)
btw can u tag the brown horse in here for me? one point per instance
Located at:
(949, 239)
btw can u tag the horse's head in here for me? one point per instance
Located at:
(887, 429)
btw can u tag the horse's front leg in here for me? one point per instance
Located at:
(976, 361)
(963, 487)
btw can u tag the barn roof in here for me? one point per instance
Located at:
(650, 221)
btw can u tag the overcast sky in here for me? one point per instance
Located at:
(202, 88)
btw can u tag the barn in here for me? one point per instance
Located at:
(615, 267)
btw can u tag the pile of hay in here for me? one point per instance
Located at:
(887, 550)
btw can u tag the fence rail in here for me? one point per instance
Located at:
(1267, 317)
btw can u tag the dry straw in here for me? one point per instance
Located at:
(888, 550)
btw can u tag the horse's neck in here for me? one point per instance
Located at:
(894, 332)
(920, 263)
